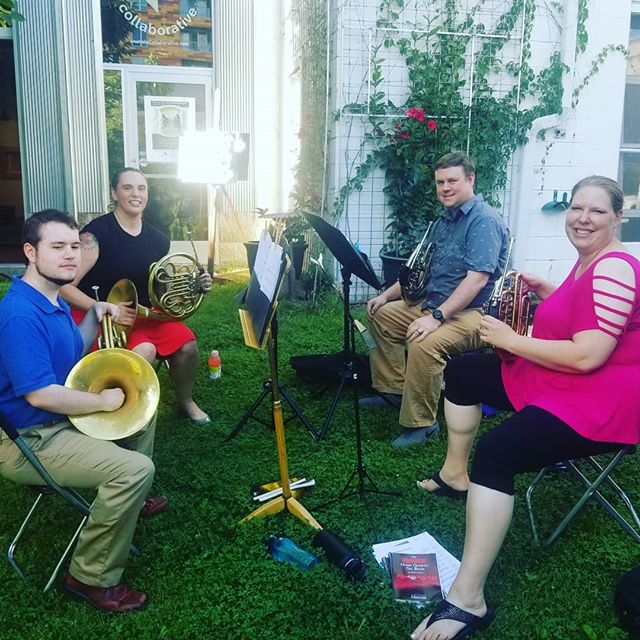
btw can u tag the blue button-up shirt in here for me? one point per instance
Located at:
(39, 344)
(470, 238)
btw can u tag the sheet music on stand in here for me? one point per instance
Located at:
(261, 296)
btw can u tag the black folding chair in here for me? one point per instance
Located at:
(594, 474)
(51, 487)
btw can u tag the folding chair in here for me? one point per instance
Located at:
(594, 477)
(51, 487)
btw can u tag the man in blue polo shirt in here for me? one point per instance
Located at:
(413, 342)
(39, 344)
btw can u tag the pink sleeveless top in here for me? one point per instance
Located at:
(603, 405)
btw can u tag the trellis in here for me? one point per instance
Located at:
(339, 83)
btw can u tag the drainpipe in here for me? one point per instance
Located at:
(520, 222)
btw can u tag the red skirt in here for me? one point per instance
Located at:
(166, 337)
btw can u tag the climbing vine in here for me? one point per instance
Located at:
(405, 140)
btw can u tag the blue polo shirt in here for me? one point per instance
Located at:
(39, 344)
(470, 238)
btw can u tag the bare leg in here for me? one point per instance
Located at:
(183, 365)
(488, 518)
(147, 350)
(462, 424)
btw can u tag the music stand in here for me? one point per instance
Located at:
(252, 293)
(352, 262)
(267, 388)
(344, 365)
(256, 318)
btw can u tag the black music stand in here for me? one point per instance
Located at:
(344, 365)
(353, 262)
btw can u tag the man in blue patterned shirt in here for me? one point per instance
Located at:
(413, 342)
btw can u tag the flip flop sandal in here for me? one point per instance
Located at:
(444, 490)
(447, 611)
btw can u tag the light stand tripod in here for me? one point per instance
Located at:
(267, 389)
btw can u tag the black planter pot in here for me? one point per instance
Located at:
(252, 250)
(297, 253)
(391, 264)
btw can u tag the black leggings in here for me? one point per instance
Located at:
(528, 440)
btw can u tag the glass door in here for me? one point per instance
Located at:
(159, 104)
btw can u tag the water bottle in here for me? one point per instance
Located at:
(215, 365)
(286, 550)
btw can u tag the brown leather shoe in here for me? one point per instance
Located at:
(153, 506)
(114, 599)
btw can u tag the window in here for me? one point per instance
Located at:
(629, 169)
(196, 40)
(201, 7)
(139, 5)
(139, 39)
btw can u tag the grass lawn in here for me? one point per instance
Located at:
(209, 577)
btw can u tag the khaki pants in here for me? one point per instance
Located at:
(122, 473)
(415, 369)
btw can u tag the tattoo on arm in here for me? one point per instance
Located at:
(88, 240)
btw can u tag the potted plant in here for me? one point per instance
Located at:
(407, 153)
(295, 231)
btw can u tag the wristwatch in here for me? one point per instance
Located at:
(438, 315)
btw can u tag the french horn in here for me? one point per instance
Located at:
(414, 274)
(174, 286)
(109, 367)
(509, 302)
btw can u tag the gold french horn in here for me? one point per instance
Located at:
(115, 366)
(414, 274)
(509, 302)
(174, 284)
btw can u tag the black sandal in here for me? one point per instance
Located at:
(444, 490)
(447, 611)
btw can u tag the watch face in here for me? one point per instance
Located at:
(437, 314)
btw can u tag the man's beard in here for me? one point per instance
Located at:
(60, 282)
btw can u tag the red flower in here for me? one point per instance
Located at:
(404, 135)
(432, 125)
(417, 113)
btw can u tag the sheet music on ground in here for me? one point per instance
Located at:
(424, 542)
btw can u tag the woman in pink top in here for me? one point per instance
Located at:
(572, 387)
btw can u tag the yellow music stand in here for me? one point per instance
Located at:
(256, 320)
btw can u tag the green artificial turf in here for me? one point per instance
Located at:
(209, 577)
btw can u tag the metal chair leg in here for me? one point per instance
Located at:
(12, 547)
(64, 555)
(592, 489)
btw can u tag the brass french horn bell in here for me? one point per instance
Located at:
(174, 285)
(112, 367)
